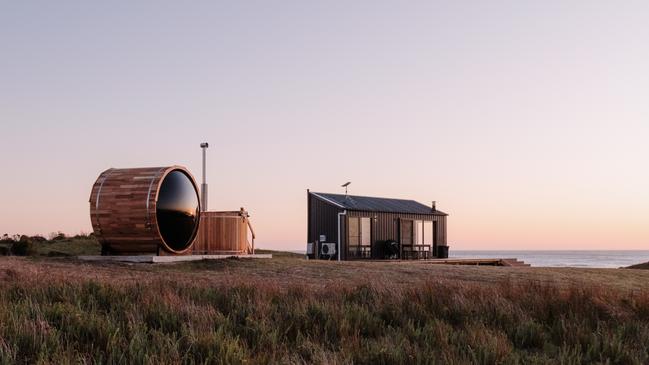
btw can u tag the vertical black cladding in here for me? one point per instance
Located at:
(177, 210)
(323, 220)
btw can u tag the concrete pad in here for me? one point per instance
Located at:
(150, 259)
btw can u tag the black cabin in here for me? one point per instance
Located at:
(347, 227)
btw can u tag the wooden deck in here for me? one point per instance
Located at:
(510, 262)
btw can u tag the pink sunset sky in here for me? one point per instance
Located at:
(528, 122)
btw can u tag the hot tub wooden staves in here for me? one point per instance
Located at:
(223, 233)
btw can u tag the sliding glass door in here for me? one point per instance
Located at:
(417, 238)
(359, 237)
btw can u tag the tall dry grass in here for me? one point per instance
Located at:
(442, 322)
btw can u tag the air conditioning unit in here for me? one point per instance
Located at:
(327, 249)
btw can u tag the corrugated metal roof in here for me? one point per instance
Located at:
(366, 203)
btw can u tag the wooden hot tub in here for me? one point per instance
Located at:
(224, 233)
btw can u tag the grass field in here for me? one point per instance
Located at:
(288, 310)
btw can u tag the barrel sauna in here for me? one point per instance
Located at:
(224, 233)
(153, 210)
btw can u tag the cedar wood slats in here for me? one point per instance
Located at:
(123, 210)
(223, 233)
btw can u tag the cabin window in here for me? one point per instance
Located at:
(360, 236)
(406, 232)
(366, 232)
(354, 232)
(419, 232)
(428, 233)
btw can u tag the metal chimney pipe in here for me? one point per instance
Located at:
(204, 146)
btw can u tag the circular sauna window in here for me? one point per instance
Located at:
(177, 210)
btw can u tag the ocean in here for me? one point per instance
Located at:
(601, 259)
(598, 259)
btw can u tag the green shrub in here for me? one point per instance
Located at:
(24, 247)
(38, 239)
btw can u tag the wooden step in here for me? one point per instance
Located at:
(514, 263)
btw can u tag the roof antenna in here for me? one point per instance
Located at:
(345, 185)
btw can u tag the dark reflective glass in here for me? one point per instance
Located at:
(177, 210)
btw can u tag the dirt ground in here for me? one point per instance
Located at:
(287, 271)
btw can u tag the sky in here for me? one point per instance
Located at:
(527, 121)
